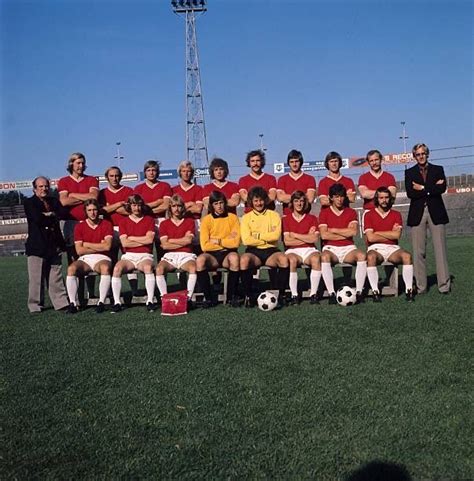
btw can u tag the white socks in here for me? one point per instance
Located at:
(328, 277)
(104, 287)
(116, 289)
(373, 275)
(150, 287)
(315, 278)
(360, 275)
(161, 283)
(294, 283)
(72, 285)
(407, 274)
(192, 278)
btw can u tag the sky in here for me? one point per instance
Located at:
(315, 75)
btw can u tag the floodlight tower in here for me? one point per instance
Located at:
(196, 141)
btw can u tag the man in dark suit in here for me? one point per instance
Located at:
(425, 183)
(44, 246)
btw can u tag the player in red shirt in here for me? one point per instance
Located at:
(338, 226)
(333, 163)
(373, 179)
(383, 228)
(176, 237)
(188, 190)
(295, 180)
(256, 162)
(74, 189)
(300, 234)
(218, 171)
(155, 193)
(113, 199)
(93, 240)
(137, 234)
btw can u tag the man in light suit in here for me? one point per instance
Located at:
(425, 183)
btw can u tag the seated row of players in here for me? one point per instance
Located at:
(260, 230)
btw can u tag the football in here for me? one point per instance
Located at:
(267, 301)
(346, 296)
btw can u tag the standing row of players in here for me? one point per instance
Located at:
(260, 230)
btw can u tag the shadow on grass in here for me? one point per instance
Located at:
(379, 471)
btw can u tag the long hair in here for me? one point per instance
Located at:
(330, 156)
(218, 162)
(133, 199)
(216, 196)
(299, 194)
(295, 154)
(384, 190)
(176, 200)
(258, 192)
(254, 153)
(75, 156)
(182, 165)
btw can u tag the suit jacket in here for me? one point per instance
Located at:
(431, 195)
(45, 238)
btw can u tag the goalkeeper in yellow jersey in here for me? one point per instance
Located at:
(219, 239)
(261, 232)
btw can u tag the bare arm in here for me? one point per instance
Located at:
(324, 200)
(283, 197)
(234, 201)
(194, 207)
(382, 236)
(84, 248)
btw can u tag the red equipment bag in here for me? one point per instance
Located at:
(174, 304)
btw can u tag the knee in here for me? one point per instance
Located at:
(325, 257)
(234, 260)
(293, 262)
(361, 257)
(283, 262)
(315, 263)
(244, 263)
(71, 270)
(406, 258)
(371, 259)
(117, 272)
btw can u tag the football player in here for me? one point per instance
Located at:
(220, 239)
(295, 180)
(338, 226)
(93, 241)
(137, 234)
(256, 162)
(261, 231)
(333, 163)
(219, 171)
(176, 238)
(383, 228)
(300, 234)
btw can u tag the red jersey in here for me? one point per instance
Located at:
(192, 194)
(300, 226)
(266, 181)
(108, 196)
(228, 189)
(326, 183)
(373, 182)
(176, 231)
(378, 222)
(84, 185)
(290, 184)
(138, 227)
(160, 190)
(339, 220)
(84, 232)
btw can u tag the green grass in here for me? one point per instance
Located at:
(309, 392)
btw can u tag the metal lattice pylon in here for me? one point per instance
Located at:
(196, 141)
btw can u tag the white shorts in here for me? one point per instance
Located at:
(92, 259)
(385, 250)
(137, 257)
(340, 251)
(303, 252)
(178, 259)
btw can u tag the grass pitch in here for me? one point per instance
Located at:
(308, 392)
